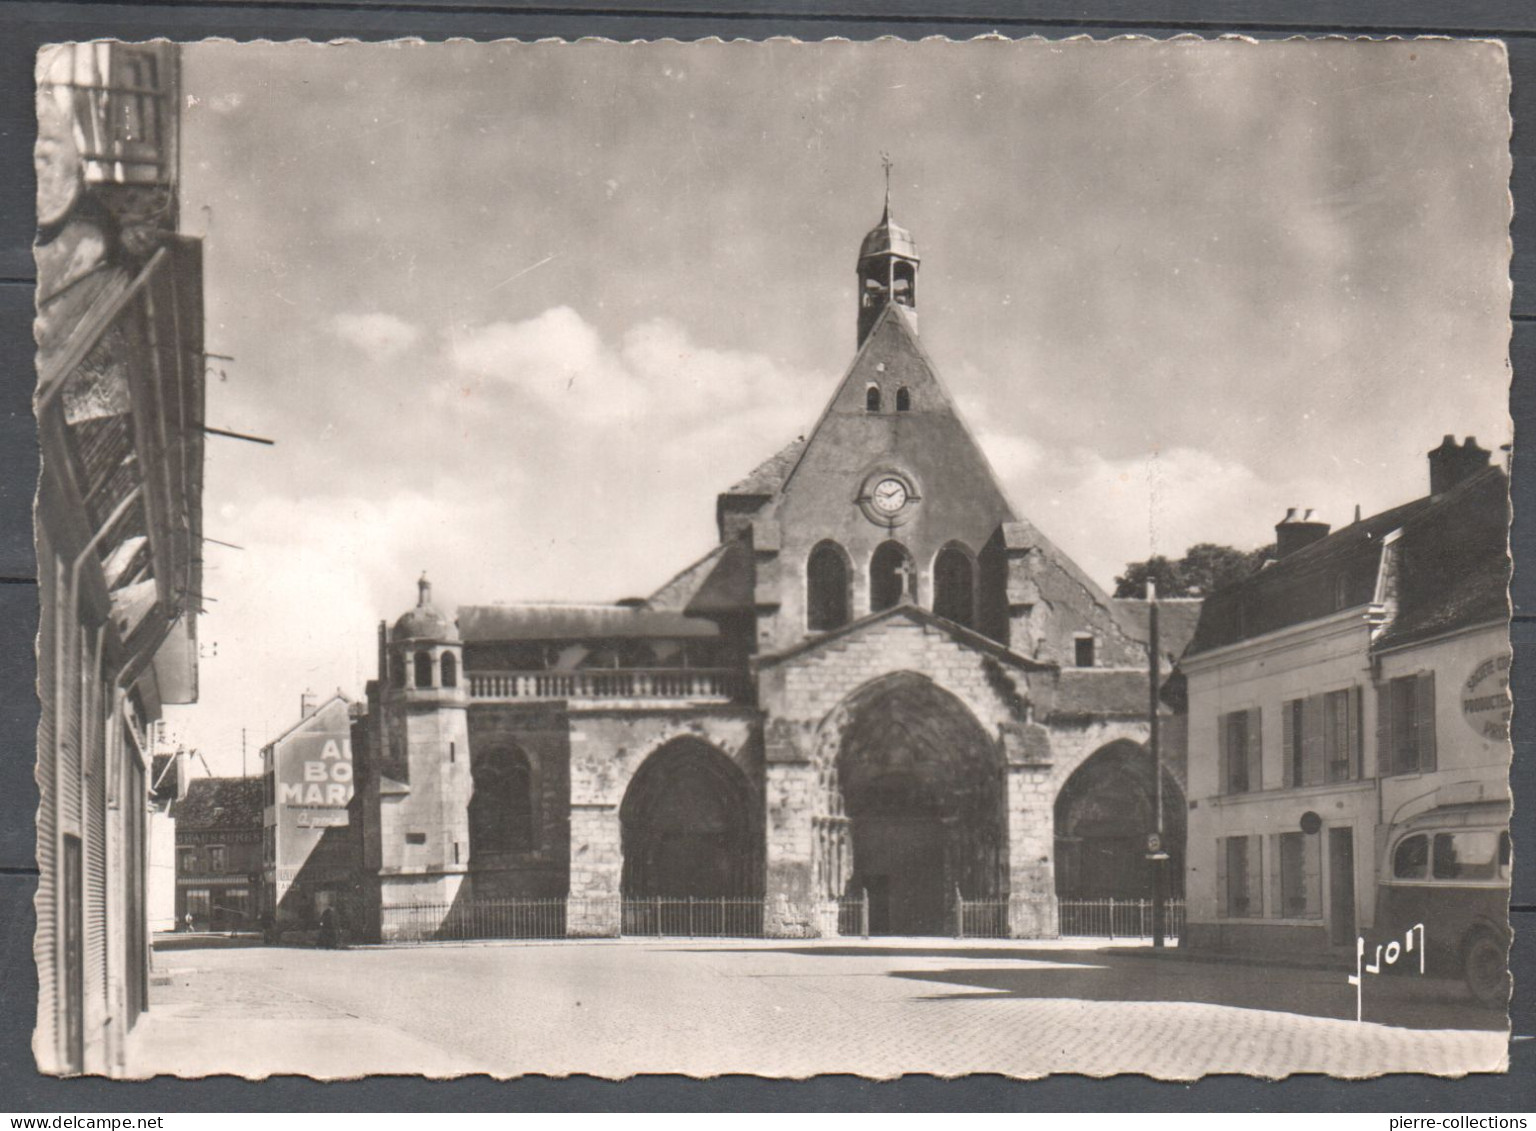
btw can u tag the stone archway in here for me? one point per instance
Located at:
(1103, 815)
(687, 828)
(915, 805)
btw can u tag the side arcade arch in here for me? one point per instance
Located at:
(1103, 814)
(688, 826)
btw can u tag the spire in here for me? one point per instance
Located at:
(423, 591)
(887, 268)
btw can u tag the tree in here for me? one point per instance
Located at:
(1204, 568)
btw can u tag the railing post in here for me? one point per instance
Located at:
(690, 916)
(959, 914)
(658, 916)
(1111, 918)
(864, 912)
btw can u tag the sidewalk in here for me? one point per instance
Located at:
(204, 1022)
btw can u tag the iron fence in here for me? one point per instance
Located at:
(1116, 918)
(475, 919)
(691, 917)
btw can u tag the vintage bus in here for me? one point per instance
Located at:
(1448, 868)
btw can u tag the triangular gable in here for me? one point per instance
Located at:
(310, 718)
(917, 615)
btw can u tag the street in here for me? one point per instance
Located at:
(878, 1008)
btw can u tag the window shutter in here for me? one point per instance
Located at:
(1313, 770)
(1384, 758)
(1223, 767)
(1274, 879)
(1255, 750)
(1352, 732)
(1287, 741)
(1223, 904)
(1424, 705)
(1255, 876)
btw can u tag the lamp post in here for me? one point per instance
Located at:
(1155, 849)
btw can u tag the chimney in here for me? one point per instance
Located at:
(307, 704)
(1451, 465)
(1297, 530)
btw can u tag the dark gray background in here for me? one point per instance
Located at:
(23, 26)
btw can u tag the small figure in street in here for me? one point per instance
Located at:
(188, 921)
(328, 933)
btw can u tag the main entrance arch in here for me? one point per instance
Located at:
(919, 792)
(686, 826)
(1103, 815)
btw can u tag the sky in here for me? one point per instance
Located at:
(515, 313)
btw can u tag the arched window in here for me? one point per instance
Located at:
(903, 399)
(423, 671)
(826, 588)
(450, 670)
(904, 284)
(501, 817)
(872, 399)
(954, 586)
(890, 576)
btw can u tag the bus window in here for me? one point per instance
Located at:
(1468, 855)
(1411, 860)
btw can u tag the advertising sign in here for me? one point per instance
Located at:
(313, 784)
(1485, 702)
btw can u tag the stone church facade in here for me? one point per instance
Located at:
(883, 679)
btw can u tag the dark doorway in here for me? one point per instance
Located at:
(1103, 815)
(1341, 886)
(922, 787)
(687, 827)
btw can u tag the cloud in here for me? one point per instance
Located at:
(381, 336)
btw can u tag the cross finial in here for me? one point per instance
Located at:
(885, 161)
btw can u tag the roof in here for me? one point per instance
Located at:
(918, 615)
(888, 237)
(219, 803)
(769, 476)
(1454, 562)
(482, 624)
(1177, 618)
(1100, 693)
(309, 719)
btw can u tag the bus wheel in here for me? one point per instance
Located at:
(1485, 965)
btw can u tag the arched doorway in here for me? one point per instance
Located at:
(1103, 815)
(921, 785)
(686, 826)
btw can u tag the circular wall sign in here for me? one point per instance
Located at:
(1485, 702)
(1310, 822)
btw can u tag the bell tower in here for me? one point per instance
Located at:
(887, 267)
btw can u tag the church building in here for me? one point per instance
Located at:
(883, 679)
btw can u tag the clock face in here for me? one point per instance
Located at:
(889, 496)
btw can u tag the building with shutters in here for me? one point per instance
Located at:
(883, 679)
(1353, 691)
(119, 404)
(218, 854)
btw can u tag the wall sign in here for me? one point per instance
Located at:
(1485, 702)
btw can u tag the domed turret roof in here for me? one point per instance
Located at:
(425, 621)
(888, 238)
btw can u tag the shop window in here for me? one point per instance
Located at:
(826, 581)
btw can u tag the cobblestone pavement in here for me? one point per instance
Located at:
(793, 1009)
